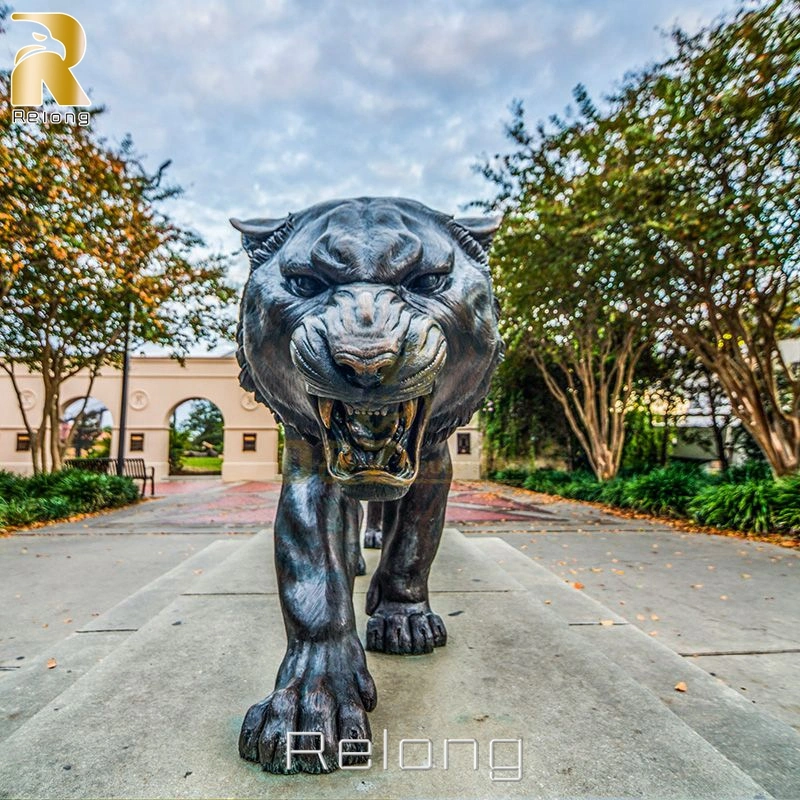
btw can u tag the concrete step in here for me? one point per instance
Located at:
(27, 690)
(764, 747)
(160, 715)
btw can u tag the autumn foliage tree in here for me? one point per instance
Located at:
(85, 251)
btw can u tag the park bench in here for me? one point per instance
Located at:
(134, 468)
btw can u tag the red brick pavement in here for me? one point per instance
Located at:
(254, 503)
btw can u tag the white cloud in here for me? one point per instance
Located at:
(271, 106)
(586, 26)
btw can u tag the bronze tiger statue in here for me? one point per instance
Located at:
(369, 328)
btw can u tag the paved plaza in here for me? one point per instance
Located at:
(634, 607)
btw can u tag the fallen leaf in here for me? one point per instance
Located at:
(606, 623)
(618, 571)
(654, 617)
(697, 586)
(681, 687)
(597, 569)
(548, 602)
(68, 620)
(197, 571)
(653, 633)
(746, 576)
(710, 566)
(668, 566)
(641, 617)
(577, 585)
(51, 663)
(723, 597)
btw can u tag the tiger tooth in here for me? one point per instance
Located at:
(407, 412)
(325, 405)
(404, 462)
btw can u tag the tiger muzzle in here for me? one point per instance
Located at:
(370, 362)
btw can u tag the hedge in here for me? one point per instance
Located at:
(745, 498)
(55, 495)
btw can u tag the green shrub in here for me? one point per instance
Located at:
(615, 492)
(665, 491)
(573, 485)
(749, 471)
(10, 486)
(787, 505)
(18, 512)
(54, 507)
(547, 480)
(56, 495)
(744, 498)
(122, 491)
(513, 476)
(583, 486)
(746, 507)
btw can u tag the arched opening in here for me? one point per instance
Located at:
(196, 438)
(86, 428)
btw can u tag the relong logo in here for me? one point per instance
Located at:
(36, 65)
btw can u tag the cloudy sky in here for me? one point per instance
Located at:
(268, 106)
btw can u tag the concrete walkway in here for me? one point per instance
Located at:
(724, 605)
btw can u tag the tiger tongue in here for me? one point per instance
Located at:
(370, 430)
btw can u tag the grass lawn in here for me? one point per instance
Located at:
(207, 464)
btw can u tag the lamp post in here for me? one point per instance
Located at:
(123, 404)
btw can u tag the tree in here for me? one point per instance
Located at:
(204, 425)
(86, 251)
(711, 141)
(568, 280)
(521, 421)
(688, 185)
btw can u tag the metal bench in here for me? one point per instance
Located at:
(134, 468)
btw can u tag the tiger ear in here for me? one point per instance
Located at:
(482, 229)
(255, 232)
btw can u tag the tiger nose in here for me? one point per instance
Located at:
(365, 369)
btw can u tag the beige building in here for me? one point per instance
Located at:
(157, 386)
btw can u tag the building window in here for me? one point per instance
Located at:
(248, 442)
(23, 442)
(463, 444)
(137, 443)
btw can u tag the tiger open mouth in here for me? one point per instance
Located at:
(373, 451)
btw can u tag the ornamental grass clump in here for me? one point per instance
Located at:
(786, 513)
(666, 491)
(748, 507)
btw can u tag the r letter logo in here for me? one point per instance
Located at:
(36, 65)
